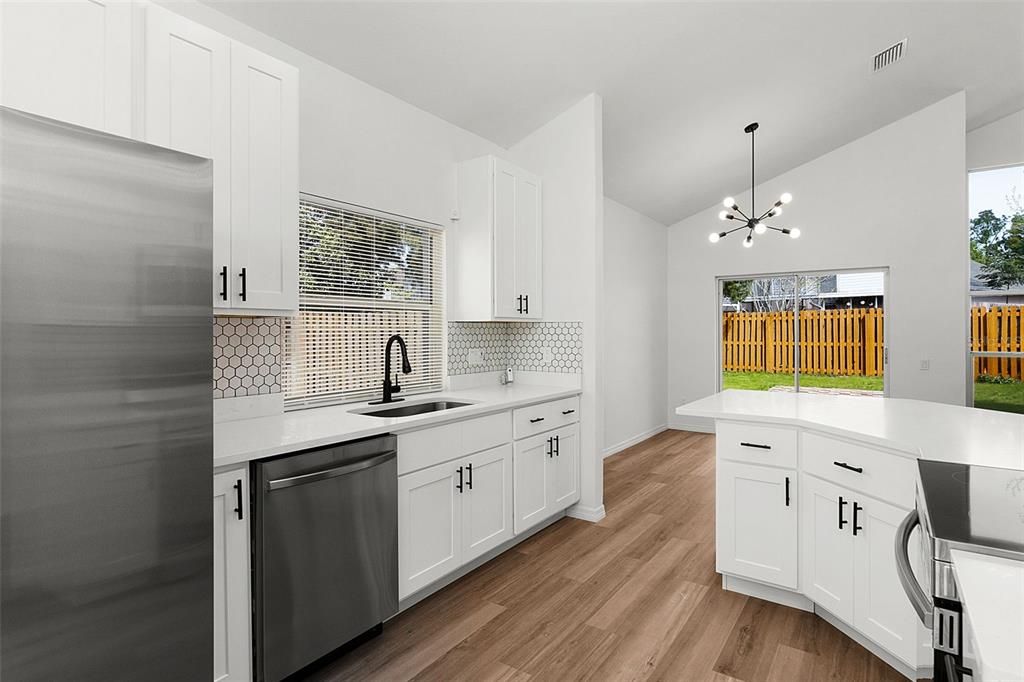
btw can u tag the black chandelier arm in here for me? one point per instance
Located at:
(728, 232)
(777, 229)
(740, 211)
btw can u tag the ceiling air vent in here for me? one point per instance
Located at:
(890, 55)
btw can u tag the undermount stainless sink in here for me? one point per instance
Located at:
(412, 409)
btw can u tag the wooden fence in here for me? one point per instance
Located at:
(833, 342)
(997, 329)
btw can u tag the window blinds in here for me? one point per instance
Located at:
(362, 277)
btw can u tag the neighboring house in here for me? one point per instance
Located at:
(984, 295)
(841, 290)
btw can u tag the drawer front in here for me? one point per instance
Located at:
(427, 447)
(536, 419)
(885, 475)
(756, 443)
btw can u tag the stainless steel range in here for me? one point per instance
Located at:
(959, 506)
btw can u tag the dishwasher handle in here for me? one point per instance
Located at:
(349, 468)
(921, 602)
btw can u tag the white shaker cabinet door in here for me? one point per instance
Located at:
(529, 247)
(429, 526)
(264, 181)
(507, 297)
(881, 609)
(828, 546)
(487, 501)
(70, 60)
(232, 643)
(188, 108)
(533, 490)
(565, 475)
(757, 524)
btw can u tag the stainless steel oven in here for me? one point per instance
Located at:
(959, 506)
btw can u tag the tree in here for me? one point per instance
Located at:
(736, 290)
(987, 233)
(1004, 265)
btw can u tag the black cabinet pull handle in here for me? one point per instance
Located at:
(538, 419)
(469, 480)
(568, 411)
(759, 446)
(519, 301)
(458, 485)
(558, 447)
(241, 294)
(551, 447)
(526, 301)
(238, 498)
(787, 491)
(844, 465)
(856, 508)
(842, 521)
(224, 283)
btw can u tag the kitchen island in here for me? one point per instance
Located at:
(812, 491)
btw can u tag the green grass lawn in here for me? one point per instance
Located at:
(762, 381)
(1002, 397)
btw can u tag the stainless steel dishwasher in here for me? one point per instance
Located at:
(325, 544)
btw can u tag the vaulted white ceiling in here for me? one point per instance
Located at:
(679, 80)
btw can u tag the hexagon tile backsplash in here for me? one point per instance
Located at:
(246, 356)
(525, 346)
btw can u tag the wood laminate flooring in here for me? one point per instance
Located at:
(633, 597)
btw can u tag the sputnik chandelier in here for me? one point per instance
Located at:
(749, 223)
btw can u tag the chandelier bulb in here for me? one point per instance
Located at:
(723, 215)
(794, 233)
(786, 197)
(776, 211)
(728, 202)
(714, 237)
(760, 228)
(748, 242)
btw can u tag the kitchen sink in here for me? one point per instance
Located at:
(412, 409)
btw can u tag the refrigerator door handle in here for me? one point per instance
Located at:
(921, 602)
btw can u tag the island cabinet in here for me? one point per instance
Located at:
(805, 516)
(495, 248)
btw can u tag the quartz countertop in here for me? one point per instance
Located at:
(235, 442)
(948, 433)
(992, 592)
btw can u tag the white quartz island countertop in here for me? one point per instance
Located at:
(947, 433)
(992, 588)
(244, 440)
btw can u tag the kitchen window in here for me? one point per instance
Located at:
(363, 276)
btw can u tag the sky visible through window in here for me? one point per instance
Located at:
(990, 190)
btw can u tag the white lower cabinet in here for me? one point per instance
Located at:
(757, 533)
(827, 546)
(849, 567)
(881, 609)
(232, 642)
(546, 475)
(452, 513)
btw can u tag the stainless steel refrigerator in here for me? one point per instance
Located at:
(106, 424)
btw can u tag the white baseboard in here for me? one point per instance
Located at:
(592, 514)
(630, 442)
(752, 588)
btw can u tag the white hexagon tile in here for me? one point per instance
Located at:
(526, 346)
(246, 356)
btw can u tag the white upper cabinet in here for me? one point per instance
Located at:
(187, 89)
(264, 182)
(495, 248)
(69, 60)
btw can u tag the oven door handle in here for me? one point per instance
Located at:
(921, 602)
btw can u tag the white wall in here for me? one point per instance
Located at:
(567, 153)
(636, 327)
(998, 144)
(360, 144)
(896, 197)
